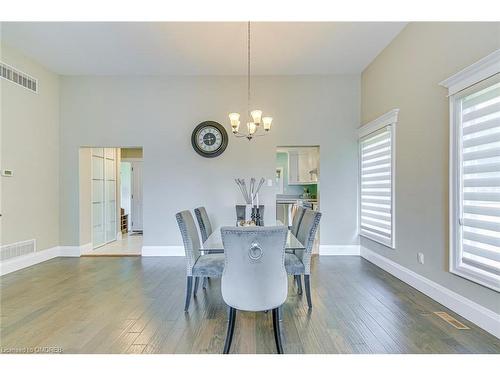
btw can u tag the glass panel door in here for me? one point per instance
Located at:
(98, 233)
(104, 208)
(110, 194)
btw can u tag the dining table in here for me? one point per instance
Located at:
(214, 244)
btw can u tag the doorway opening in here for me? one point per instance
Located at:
(111, 201)
(297, 182)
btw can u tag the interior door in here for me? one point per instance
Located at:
(110, 194)
(104, 209)
(98, 232)
(137, 196)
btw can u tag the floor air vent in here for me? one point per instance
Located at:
(13, 75)
(451, 320)
(17, 249)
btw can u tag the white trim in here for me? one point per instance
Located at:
(473, 75)
(470, 310)
(389, 118)
(480, 70)
(162, 251)
(339, 250)
(28, 260)
(17, 263)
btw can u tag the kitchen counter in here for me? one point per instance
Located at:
(280, 198)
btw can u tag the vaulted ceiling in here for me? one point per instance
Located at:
(200, 48)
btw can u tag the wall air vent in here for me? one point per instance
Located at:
(17, 249)
(13, 75)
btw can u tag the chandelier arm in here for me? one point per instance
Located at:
(259, 134)
(240, 135)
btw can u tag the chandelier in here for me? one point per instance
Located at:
(255, 121)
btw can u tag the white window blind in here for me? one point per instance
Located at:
(477, 117)
(376, 186)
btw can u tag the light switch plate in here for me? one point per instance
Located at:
(7, 173)
(269, 182)
(420, 258)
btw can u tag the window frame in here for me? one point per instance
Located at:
(387, 120)
(458, 86)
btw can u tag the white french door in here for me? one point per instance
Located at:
(104, 225)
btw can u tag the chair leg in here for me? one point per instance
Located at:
(204, 285)
(196, 283)
(307, 284)
(230, 330)
(298, 280)
(277, 332)
(189, 288)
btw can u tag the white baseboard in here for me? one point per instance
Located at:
(72, 251)
(162, 251)
(28, 260)
(338, 249)
(470, 310)
(18, 263)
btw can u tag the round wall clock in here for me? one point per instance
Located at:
(209, 139)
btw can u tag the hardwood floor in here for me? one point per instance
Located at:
(135, 305)
(130, 244)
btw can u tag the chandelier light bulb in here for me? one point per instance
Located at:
(256, 116)
(236, 127)
(252, 128)
(234, 118)
(267, 123)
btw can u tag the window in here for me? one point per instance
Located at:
(376, 171)
(475, 173)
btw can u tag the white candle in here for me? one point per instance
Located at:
(257, 199)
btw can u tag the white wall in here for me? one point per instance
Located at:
(30, 147)
(406, 75)
(160, 114)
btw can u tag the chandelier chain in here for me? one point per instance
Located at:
(248, 72)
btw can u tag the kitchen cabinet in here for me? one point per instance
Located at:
(303, 165)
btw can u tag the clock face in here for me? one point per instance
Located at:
(209, 139)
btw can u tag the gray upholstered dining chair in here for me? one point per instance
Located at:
(254, 277)
(205, 230)
(203, 223)
(297, 219)
(299, 262)
(198, 265)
